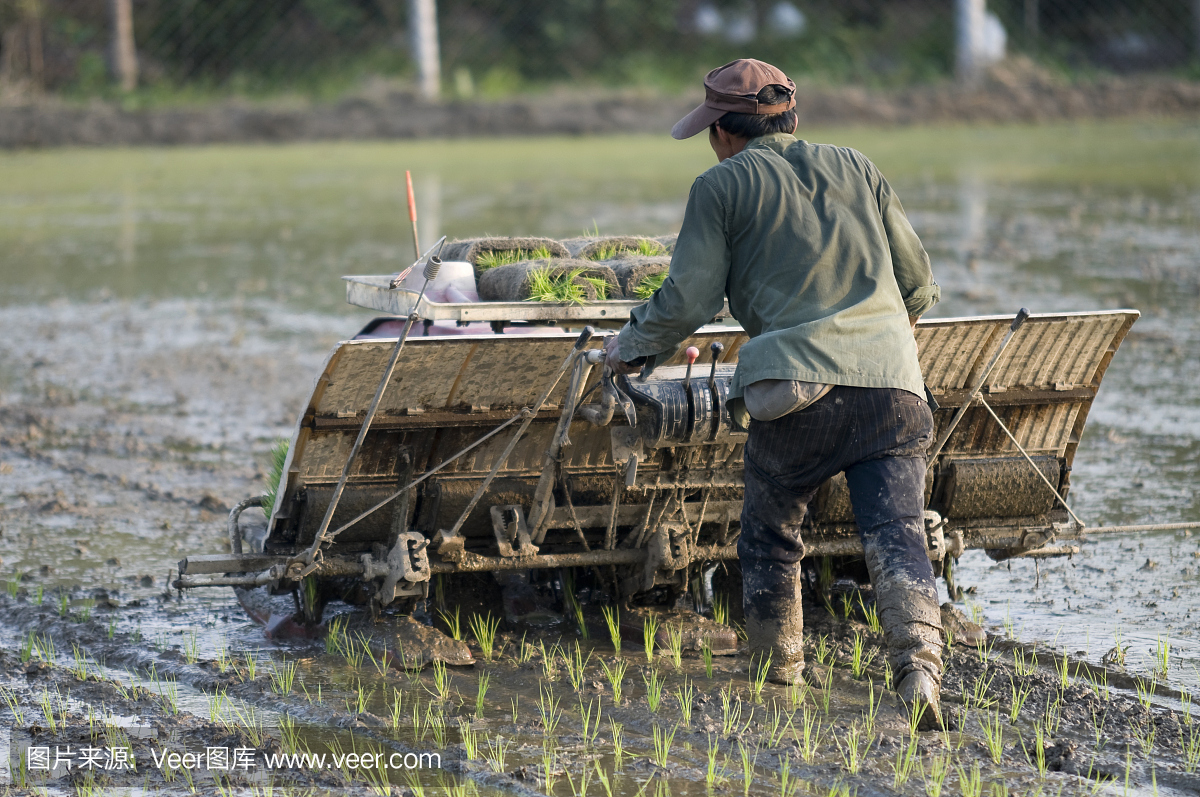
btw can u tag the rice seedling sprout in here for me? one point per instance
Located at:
(654, 689)
(612, 621)
(649, 632)
(615, 675)
(484, 628)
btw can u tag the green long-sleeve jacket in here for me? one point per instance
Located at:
(820, 264)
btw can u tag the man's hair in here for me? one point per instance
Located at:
(750, 125)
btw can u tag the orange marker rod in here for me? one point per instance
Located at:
(412, 213)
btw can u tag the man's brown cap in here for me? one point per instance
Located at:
(734, 87)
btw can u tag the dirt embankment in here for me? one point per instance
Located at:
(1016, 91)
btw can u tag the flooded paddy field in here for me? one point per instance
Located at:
(165, 311)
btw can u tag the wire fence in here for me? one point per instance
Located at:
(493, 47)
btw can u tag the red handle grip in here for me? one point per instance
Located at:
(412, 200)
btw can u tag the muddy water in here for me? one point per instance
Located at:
(164, 310)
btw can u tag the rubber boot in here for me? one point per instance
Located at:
(774, 619)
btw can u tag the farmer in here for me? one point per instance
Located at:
(824, 272)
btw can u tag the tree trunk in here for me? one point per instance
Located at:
(124, 53)
(422, 21)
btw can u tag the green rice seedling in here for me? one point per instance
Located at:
(453, 623)
(441, 680)
(1185, 700)
(649, 285)
(168, 693)
(484, 628)
(85, 609)
(289, 734)
(515, 702)
(1025, 666)
(888, 676)
(979, 693)
(418, 726)
(64, 604)
(251, 662)
(27, 647)
(758, 676)
(858, 744)
(556, 288)
(548, 709)
(1038, 756)
(618, 740)
(748, 763)
(601, 285)
(675, 645)
(13, 587)
(1191, 748)
(550, 659)
(492, 259)
(847, 605)
(548, 767)
(335, 636)
(654, 689)
(191, 648)
(731, 710)
(779, 727)
(613, 622)
(436, 722)
(222, 656)
(1118, 653)
(826, 690)
(808, 735)
(1053, 713)
(274, 475)
(1145, 735)
(1019, 696)
(710, 770)
(395, 706)
(470, 740)
(356, 650)
(589, 719)
(970, 782)
(993, 735)
(1145, 690)
(787, 785)
(359, 699)
(824, 650)
(481, 689)
(1162, 656)
(45, 649)
(686, 694)
(872, 712)
(649, 632)
(80, 667)
(497, 752)
(796, 692)
(939, 768)
(602, 776)
(706, 655)
(720, 609)
(39, 595)
(871, 613)
(860, 660)
(14, 705)
(283, 677)
(576, 665)
(525, 651)
(907, 757)
(1063, 668)
(616, 676)
(1098, 681)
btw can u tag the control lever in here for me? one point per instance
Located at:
(716, 348)
(692, 353)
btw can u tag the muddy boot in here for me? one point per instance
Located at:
(920, 695)
(774, 620)
(958, 630)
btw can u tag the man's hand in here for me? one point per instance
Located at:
(612, 358)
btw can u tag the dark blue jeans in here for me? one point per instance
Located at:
(878, 437)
